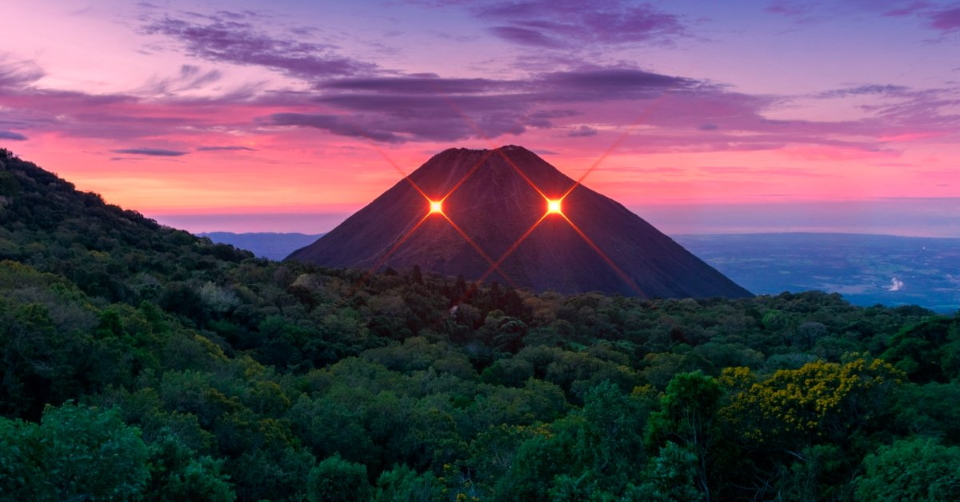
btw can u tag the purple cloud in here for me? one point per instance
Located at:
(863, 90)
(225, 149)
(908, 9)
(428, 108)
(333, 124)
(400, 129)
(153, 152)
(803, 11)
(189, 78)
(582, 131)
(606, 84)
(431, 95)
(946, 20)
(791, 8)
(18, 73)
(526, 36)
(14, 136)
(228, 38)
(563, 23)
(349, 98)
(422, 84)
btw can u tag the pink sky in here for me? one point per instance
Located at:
(293, 108)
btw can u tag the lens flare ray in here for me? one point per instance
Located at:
(620, 139)
(469, 173)
(513, 248)
(605, 258)
(480, 251)
(386, 256)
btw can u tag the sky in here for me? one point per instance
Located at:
(701, 116)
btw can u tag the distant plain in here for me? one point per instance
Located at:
(865, 269)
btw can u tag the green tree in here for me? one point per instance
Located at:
(671, 477)
(179, 474)
(688, 417)
(335, 480)
(610, 442)
(403, 484)
(75, 453)
(916, 469)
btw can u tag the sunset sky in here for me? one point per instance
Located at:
(289, 115)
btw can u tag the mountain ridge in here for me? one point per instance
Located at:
(494, 226)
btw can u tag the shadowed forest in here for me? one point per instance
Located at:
(141, 362)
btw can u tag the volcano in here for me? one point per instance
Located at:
(507, 215)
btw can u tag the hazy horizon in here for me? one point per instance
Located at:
(907, 217)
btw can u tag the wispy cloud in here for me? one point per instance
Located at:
(567, 23)
(945, 20)
(15, 136)
(15, 74)
(334, 124)
(582, 131)
(938, 17)
(152, 152)
(225, 149)
(866, 90)
(190, 78)
(400, 109)
(526, 36)
(231, 38)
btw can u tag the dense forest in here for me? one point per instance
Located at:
(138, 362)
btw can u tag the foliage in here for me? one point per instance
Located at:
(75, 453)
(820, 400)
(911, 469)
(335, 479)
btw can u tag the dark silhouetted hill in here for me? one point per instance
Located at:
(495, 205)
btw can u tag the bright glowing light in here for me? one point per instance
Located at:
(436, 206)
(553, 206)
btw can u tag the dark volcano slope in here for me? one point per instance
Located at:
(495, 206)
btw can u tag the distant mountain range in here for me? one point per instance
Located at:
(271, 245)
(865, 269)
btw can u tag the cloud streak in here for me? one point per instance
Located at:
(151, 152)
(225, 149)
(572, 23)
(945, 20)
(15, 136)
(16, 74)
(230, 38)
(429, 108)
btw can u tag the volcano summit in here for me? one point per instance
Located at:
(507, 215)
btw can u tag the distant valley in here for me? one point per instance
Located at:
(865, 269)
(270, 245)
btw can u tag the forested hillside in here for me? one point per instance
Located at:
(140, 362)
